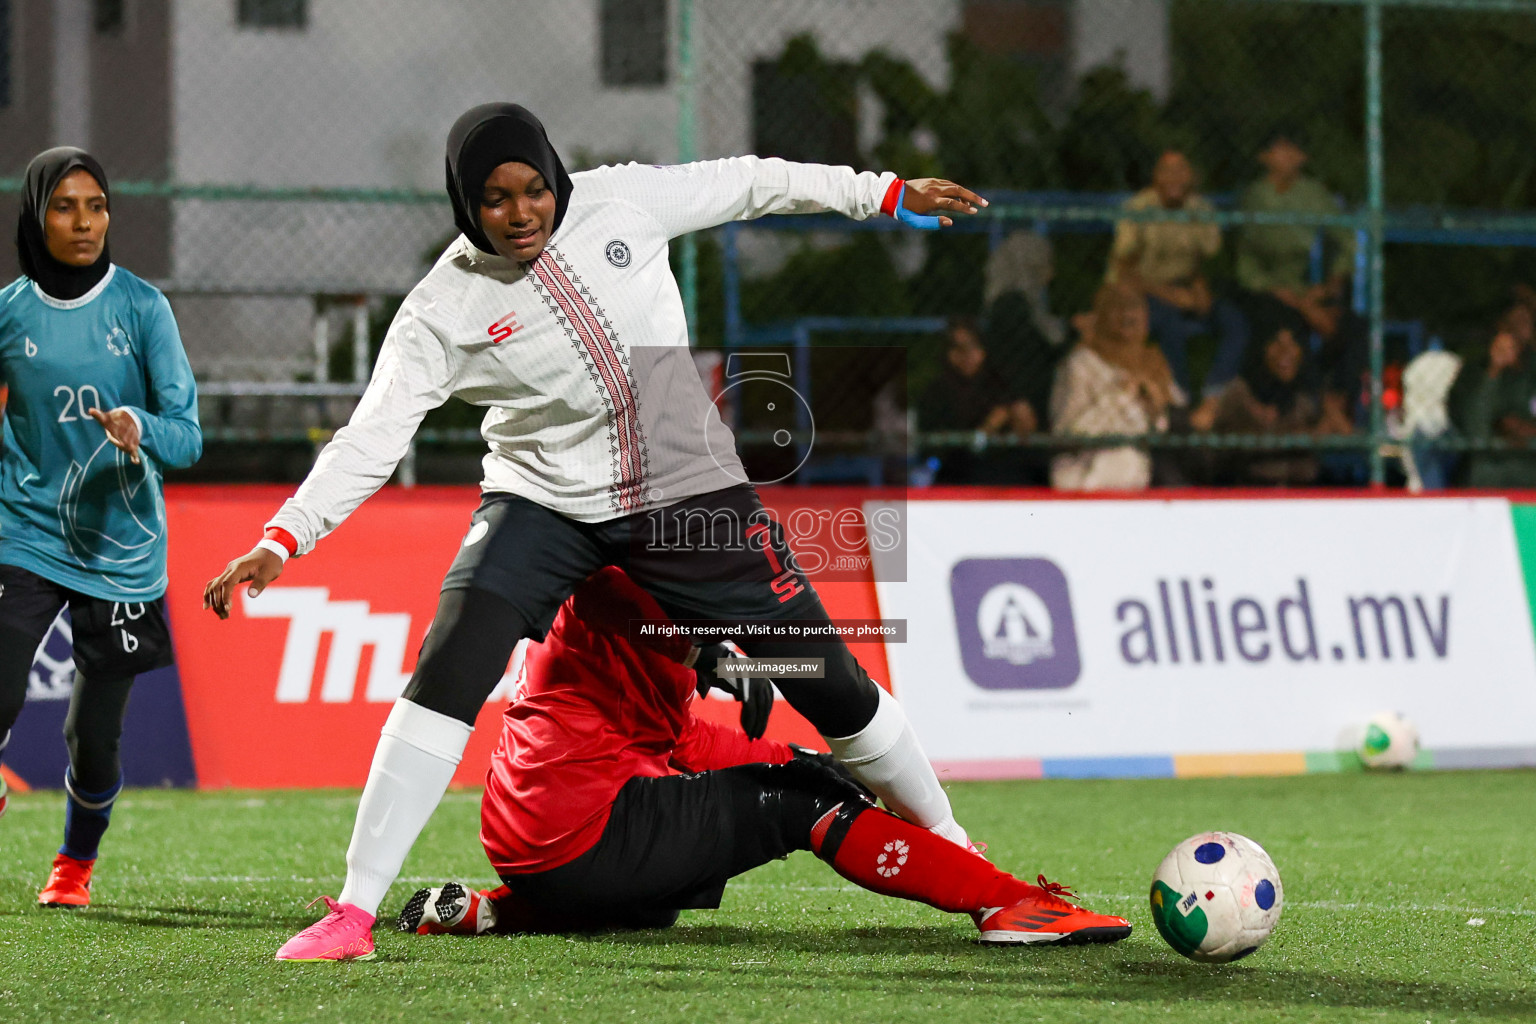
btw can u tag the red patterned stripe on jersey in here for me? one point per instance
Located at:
(563, 289)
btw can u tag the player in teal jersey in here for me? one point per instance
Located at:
(101, 400)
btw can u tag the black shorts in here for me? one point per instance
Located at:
(672, 843)
(111, 639)
(716, 556)
(713, 556)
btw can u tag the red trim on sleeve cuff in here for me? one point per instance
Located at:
(283, 537)
(888, 204)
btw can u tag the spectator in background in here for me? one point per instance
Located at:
(1274, 394)
(1023, 338)
(1023, 266)
(1165, 259)
(1495, 397)
(1520, 320)
(1525, 296)
(971, 395)
(1113, 382)
(1273, 262)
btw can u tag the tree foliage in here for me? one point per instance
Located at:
(1459, 119)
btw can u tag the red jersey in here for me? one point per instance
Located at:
(596, 706)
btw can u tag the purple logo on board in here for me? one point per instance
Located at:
(1014, 620)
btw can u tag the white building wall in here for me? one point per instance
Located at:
(363, 96)
(365, 93)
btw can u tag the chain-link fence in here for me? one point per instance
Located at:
(1354, 175)
(1350, 171)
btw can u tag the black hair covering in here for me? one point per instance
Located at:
(47, 169)
(1295, 134)
(484, 138)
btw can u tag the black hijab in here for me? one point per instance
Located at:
(1268, 321)
(47, 169)
(484, 138)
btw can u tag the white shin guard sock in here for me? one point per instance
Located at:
(886, 757)
(418, 751)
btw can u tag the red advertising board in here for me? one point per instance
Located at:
(292, 689)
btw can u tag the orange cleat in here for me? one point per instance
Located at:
(69, 883)
(1044, 917)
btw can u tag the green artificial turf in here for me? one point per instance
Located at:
(1383, 876)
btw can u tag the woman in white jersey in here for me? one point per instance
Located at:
(557, 311)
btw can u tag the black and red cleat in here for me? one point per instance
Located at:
(450, 909)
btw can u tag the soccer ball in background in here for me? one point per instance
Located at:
(1216, 897)
(1389, 741)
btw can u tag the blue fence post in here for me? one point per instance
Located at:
(1358, 298)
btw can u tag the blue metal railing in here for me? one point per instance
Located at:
(1064, 212)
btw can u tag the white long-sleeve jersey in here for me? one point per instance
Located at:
(593, 406)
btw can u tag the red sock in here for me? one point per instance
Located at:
(891, 856)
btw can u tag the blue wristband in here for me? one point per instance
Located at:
(920, 221)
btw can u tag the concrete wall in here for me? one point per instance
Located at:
(26, 125)
(365, 93)
(130, 130)
(109, 94)
(365, 101)
(362, 96)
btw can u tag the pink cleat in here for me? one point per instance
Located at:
(346, 933)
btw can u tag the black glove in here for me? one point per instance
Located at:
(833, 765)
(755, 694)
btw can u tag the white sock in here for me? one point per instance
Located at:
(886, 757)
(418, 751)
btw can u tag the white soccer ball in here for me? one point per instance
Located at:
(1389, 741)
(1216, 897)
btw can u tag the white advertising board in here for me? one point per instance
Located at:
(1111, 629)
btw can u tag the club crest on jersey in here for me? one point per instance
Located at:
(504, 328)
(117, 342)
(617, 253)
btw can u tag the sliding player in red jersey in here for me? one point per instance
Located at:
(589, 825)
